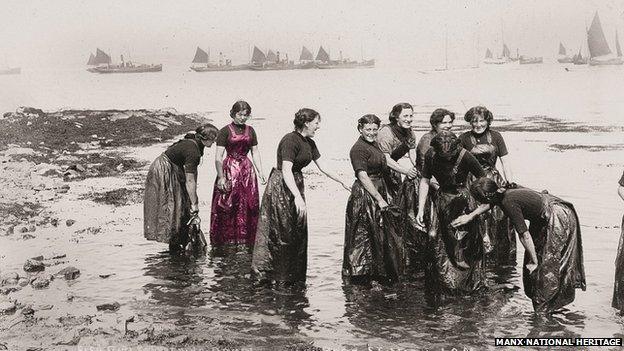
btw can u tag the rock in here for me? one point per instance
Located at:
(28, 311)
(27, 236)
(70, 222)
(9, 231)
(70, 338)
(21, 229)
(104, 276)
(55, 256)
(19, 151)
(38, 258)
(9, 278)
(7, 306)
(42, 281)
(45, 307)
(32, 228)
(54, 222)
(33, 266)
(114, 306)
(23, 282)
(69, 273)
(120, 167)
(180, 339)
(71, 174)
(9, 289)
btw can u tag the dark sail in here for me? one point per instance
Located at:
(91, 61)
(617, 45)
(306, 55)
(101, 57)
(506, 52)
(322, 55)
(488, 54)
(271, 57)
(258, 56)
(596, 39)
(200, 56)
(562, 50)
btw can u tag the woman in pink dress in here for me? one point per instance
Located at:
(235, 200)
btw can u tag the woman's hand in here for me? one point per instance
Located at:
(531, 267)
(420, 218)
(222, 184)
(263, 180)
(461, 220)
(382, 204)
(301, 208)
(412, 173)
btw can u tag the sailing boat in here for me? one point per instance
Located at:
(99, 59)
(578, 59)
(563, 57)
(269, 62)
(489, 60)
(103, 65)
(599, 51)
(306, 59)
(10, 70)
(201, 63)
(323, 61)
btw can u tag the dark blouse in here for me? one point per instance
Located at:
(367, 157)
(395, 140)
(522, 204)
(622, 180)
(186, 154)
(297, 149)
(421, 150)
(224, 134)
(441, 169)
(496, 140)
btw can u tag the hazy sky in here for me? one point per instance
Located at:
(39, 33)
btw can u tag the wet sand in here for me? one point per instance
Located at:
(92, 220)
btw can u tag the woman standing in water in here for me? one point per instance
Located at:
(235, 199)
(553, 258)
(618, 288)
(488, 146)
(370, 250)
(170, 200)
(416, 239)
(280, 252)
(457, 254)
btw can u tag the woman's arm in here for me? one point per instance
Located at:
(257, 162)
(397, 167)
(507, 175)
(370, 187)
(221, 181)
(191, 189)
(465, 219)
(423, 192)
(527, 242)
(321, 166)
(289, 179)
(621, 192)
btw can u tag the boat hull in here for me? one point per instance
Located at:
(565, 60)
(137, 69)
(531, 61)
(345, 65)
(606, 62)
(494, 61)
(221, 68)
(15, 70)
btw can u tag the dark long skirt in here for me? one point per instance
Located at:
(394, 182)
(281, 249)
(443, 275)
(234, 215)
(498, 226)
(166, 204)
(373, 238)
(618, 286)
(559, 249)
(415, 239)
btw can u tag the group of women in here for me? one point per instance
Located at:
(449, 213)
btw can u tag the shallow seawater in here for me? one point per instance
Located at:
(574, 152)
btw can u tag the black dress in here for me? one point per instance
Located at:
(556, 234)
(281, 249)
(373, 246)
(618, 286)
(451, 200)
(487, 148)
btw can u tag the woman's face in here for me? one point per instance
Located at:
(312, 126)
(479, 124)
(369, 132)
(446, 124)
(241, 117)
(404, 120)
(207, 142)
